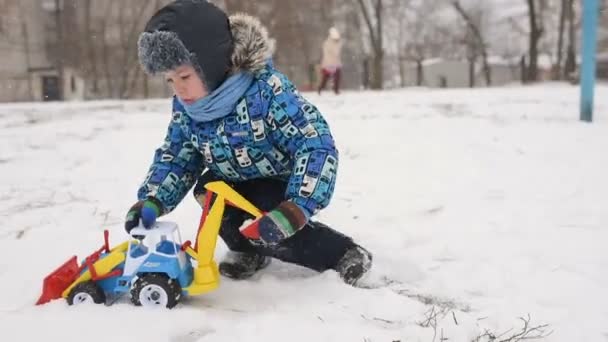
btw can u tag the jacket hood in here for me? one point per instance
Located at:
(252, 45)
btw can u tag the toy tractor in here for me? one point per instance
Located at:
(153, 265)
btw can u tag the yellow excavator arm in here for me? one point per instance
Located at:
(206, 274)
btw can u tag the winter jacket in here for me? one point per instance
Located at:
(272, 132)
(332, 51)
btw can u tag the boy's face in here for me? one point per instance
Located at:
(186, 83)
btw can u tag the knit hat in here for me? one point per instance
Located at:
(193, 32)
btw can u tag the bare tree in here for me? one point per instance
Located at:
(369, 11)
(397, 33)
(26, 50)
(298, 31)
(478, 44)
(420, 39)
(418, 47)
(398, 8)
(91, 54)
(15, 40)
(60, 47)
(560, 39)
(131, 24)
(570, 64)
(354, 54)
(98, 39)
(101, 43)
(603, 40)
(3, 10)
(536, 32)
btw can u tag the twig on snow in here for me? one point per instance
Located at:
(526, 333)
(431, 320)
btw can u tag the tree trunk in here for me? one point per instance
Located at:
(480, 43)
(132, 89)
(106, 62)
(535, 34)
(59, 48)
(560, 40)
(28, 63)
(123, 75)
(400, 61)
(419, 72)
(146, 86)
(523, 69)
(379, 63)
(487, 71)
(400, 57)
(366, 73)
(472, 72)
(377, 77)
(570, 65)
(92, 55)
(375, 34)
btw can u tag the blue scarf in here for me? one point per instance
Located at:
(221, 101)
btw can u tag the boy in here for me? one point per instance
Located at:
(237, 119)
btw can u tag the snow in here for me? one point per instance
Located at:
(483, 205)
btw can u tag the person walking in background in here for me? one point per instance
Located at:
(331, 62)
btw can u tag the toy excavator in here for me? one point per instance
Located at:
(154, 266)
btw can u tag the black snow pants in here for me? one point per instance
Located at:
(315, 246)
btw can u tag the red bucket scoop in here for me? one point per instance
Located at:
(55, 283)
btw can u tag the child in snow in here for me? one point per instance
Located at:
(239, 120)
(331, 60)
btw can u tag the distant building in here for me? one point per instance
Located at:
(504, 71)
(27, 73)
(444, 73)
(29, 47)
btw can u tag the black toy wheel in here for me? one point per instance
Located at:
(86, 292)
(156, 290)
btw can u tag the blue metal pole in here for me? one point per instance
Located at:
(590, 14)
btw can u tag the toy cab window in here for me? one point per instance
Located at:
(166, 247)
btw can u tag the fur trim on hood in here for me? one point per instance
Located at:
(252, 46)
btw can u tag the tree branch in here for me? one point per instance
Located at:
(480, 45)
(472, 26)
(378, 25)
(368, 21)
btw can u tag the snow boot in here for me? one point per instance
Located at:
(240, 265)
(354, 264)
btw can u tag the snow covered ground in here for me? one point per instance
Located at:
(480, 206)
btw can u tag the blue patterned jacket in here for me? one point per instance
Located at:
(272, 132)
